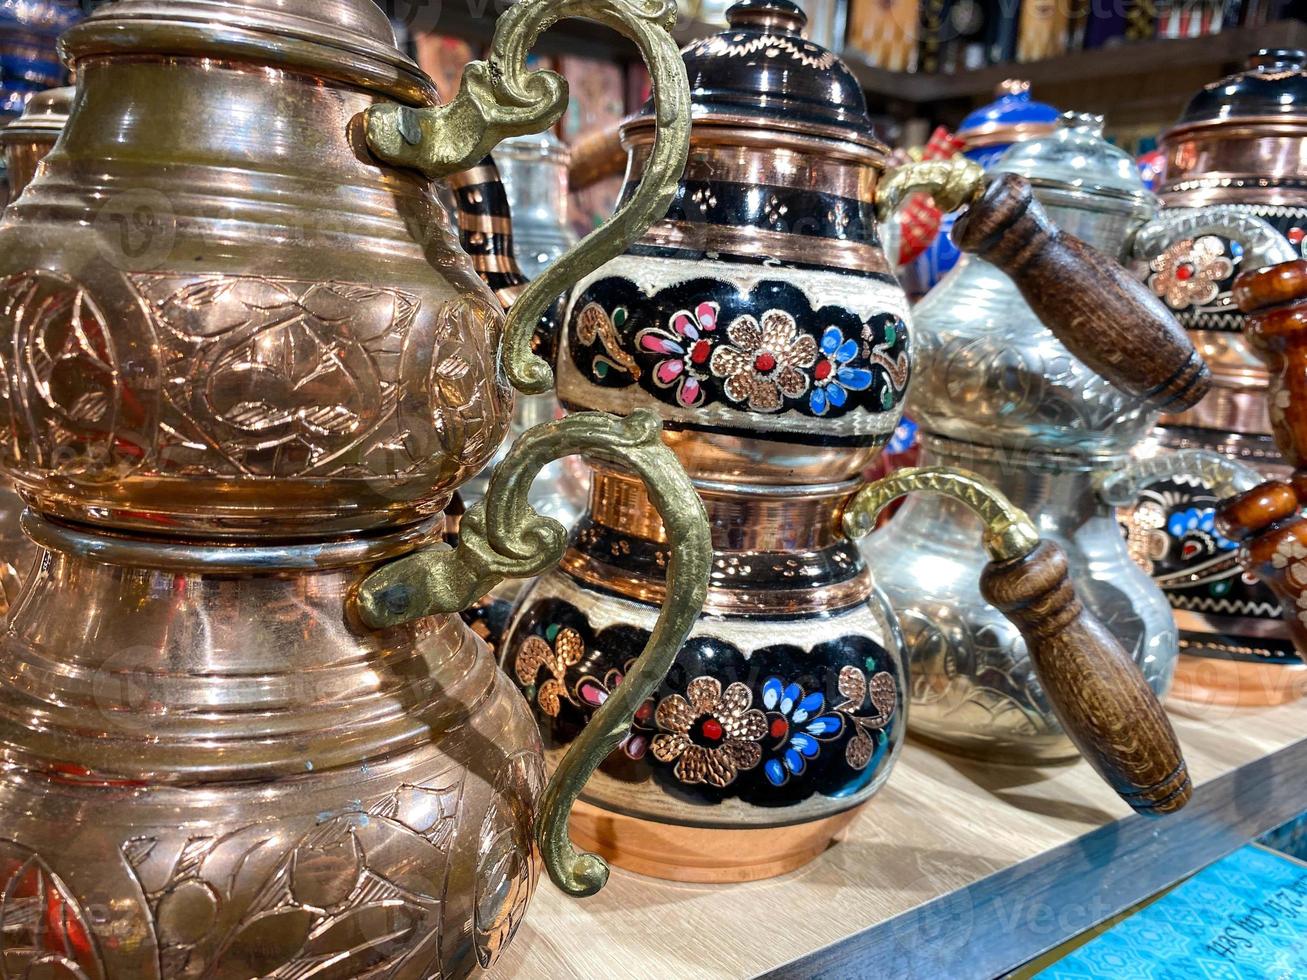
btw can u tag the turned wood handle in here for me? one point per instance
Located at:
(1101, 313)
(1275, 301)
(595, 157)
(1099, 695)
(1267, 521)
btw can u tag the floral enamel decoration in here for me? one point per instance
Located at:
(710, 734)
(764, 362)
(798, 725)
(1190, 272)
(833, 376)
(686, 346)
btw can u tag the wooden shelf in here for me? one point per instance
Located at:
(1212, 54)
(954, 869)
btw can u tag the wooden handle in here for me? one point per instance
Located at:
(1099, 694)
(1101, 313)
(1275, 300)
(595, 157)
(1267, 521)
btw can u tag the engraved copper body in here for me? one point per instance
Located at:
(248, 366)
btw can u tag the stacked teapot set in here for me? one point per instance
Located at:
(245, 730)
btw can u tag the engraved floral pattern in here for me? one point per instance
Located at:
(1190, 272)
(43, 930)
(764, 361)
(710, 734)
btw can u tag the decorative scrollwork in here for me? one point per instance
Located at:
(500, 97)
(1225, 477)
(502, 537)
(1009, 533)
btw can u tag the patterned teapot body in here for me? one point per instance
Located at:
(1239, 146)
(761, 321)
(249, 364)
(998, 394)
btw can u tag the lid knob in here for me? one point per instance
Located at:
(780, 16)
(1012, 86)
(1277, 58)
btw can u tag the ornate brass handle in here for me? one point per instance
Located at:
(1224, 476)
(502, 537)
(1099, 694)
(499, 97)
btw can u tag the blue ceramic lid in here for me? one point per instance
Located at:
(1012, 116)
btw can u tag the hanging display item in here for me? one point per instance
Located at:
(1239, 147)
(761, 320)
(996, 393)
(247, 366)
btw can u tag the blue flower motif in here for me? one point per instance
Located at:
(1202, 520)
(796, 722)
(832, 377)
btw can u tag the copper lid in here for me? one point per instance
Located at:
(1272, 86)
(761, 72)
(43, 118)
(345, 40)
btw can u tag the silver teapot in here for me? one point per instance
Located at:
(995, 392)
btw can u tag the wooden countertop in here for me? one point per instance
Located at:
(954, 869)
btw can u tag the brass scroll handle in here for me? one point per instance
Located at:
(1100, 313)
(1098, 692)
(502, 537)
(500, 97)
(1224, 476)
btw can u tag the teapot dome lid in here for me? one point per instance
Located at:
(347, 40)
(762, 72)
(1012, 116)
(44, 116)
(1075, 165)
(1272, 85)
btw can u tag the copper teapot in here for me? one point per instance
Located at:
(1237, 151)
(761, 320)
(248, 366)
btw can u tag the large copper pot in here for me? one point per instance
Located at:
(247, 367)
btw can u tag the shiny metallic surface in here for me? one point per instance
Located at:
(26, 142)
(248, 366)
(974, 688)
(180, 764)
(997, 394)
(1235, 198)
(28, 139)
(246, 245)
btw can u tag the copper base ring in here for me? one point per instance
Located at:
(703, 855)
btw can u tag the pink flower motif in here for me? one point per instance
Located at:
(686, 350)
